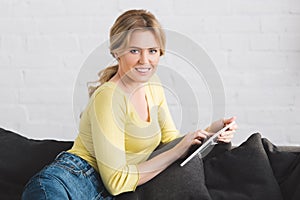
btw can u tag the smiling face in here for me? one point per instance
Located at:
(139, 60)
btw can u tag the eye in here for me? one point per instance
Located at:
(134, 51)
(153, 51)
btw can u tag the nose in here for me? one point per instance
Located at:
(144, 57)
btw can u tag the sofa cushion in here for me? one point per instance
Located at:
(21, 158)
(286, 168)
(242, 173)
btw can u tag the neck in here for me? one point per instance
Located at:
(127, 84)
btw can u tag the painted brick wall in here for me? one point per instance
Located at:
(255, 46)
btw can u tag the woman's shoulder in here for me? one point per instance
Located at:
(108, 92)
(106, 89)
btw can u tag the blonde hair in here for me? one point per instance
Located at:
(120, 34)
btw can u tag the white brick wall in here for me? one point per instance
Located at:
(254, 44)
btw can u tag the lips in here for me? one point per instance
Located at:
(143, 70)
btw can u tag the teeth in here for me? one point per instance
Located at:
(142, 69)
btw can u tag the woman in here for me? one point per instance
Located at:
(126, 118)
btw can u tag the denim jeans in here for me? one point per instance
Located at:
(67, 177)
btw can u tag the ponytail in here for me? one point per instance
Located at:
(104, 76)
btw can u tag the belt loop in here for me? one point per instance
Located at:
(59, 154)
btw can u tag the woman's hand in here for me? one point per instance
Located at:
(190, 139)
(228, 134)
(218, 125)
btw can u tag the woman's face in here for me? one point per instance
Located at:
(139, 60)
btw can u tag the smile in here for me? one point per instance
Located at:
(143, 70)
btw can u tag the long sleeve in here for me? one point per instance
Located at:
(168, 129)
(107, 117)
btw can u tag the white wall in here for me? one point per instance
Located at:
(254, 44)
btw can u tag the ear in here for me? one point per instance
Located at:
(116, 56)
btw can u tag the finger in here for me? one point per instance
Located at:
(234, 127)
(201, 134)
(197, 142)
(229, 120)
(227, 137)
(227, 133)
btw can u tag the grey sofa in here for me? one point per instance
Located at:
(256, 169)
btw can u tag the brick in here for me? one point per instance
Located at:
(10, 78)
(256, 7)
(12, 26)
(275, 134)
(38, 60)
(178, 24)
(202, 7)
(39, 9)
(165, 7)
(209, 41)
(293, 60)
(5, 61)
(290, 42)
(64, 25)
(20, 9)
(291, 23)
(220, 59)
(88, 43)
(100, 26)
(73, 61)
(265, 97)
(293, 6)
(12, 114)
(5, 8)
(235, 42)
(39, 44)
(46, 130)
(69, 132)
(297, 99)
(48, 78)
(265, 42)
(284, 116)
(280, 24)
(233, 79)
(65, 44)
(52, 113)
(12, 44)
(211, 24)
(280, 79)
(293, 135)
(272, 24)
(239, 24)
(9, 96)
(257, 60)
(45, 96)
(90, 8)
(41, 130)
(53, 44)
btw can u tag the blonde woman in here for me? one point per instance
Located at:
(126, 118)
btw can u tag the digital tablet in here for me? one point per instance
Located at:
(210, 141)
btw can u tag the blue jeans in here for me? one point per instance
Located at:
(67, 177)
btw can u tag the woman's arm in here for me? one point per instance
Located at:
(149, 169)
(107, 114)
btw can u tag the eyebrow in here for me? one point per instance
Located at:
(133, 47)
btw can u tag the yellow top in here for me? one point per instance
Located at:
(114, 139)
